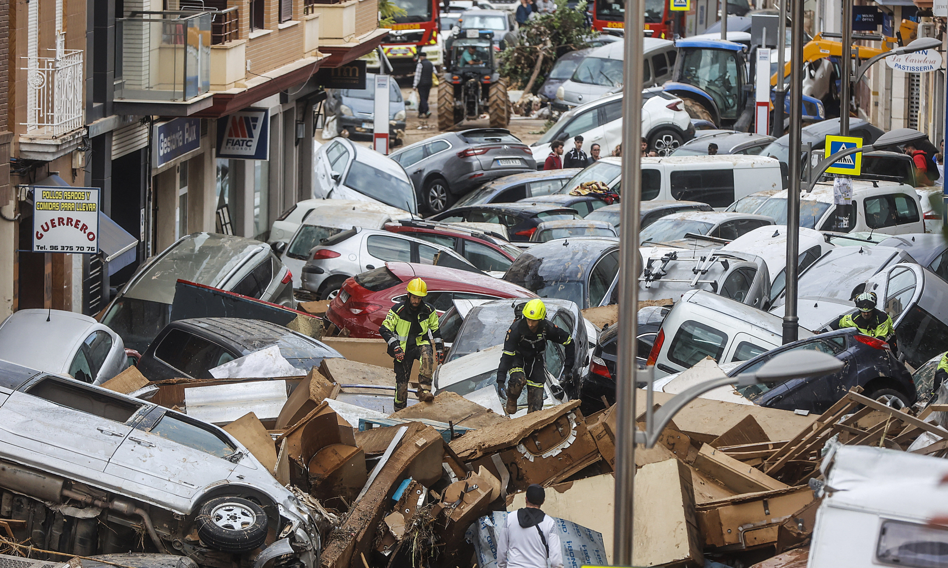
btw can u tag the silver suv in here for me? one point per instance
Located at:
(122, 473)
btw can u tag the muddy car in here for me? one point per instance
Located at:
(91, 471)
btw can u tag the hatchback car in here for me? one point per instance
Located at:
(133, 476)
(354, 109)
(582, 204)
(345, 170)
(929, 250)
(488, 253)
(651, 211)
(192, 347)
(364, 300)
(62, 342)
(448, 166)
(521, 219)
(717, 224)
(236, 264)
(550, 230)
(561, 72)
(356, 250)
(581, 270)
(728, 142)
(517, 187)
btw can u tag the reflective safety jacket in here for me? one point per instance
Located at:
(397, 326)
(878, 324)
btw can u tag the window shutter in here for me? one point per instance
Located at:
(286, 10)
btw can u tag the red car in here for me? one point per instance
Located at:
(365, 299)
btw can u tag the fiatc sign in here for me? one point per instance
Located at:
(66, 219)
(244, 135)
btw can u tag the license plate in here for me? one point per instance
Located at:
(343, 296)
(367, 125)
(508, 162)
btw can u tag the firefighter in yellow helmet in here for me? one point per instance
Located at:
(411, 331)
(523, 356)
(869, 320)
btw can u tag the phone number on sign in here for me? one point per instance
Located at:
(64, 248)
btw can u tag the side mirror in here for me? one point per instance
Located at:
(278, 247)
(336, 176)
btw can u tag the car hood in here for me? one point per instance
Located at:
(365, 108)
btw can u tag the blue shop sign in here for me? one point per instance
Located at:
(176, 138)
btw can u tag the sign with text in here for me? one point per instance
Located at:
(680, 5)
(940, 8)
(348, 76)
(176, 138)
(922, 61)
(866, 18)
(244, 135)
(66, 219)
(850, 165)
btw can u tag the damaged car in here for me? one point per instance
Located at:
(91, 471)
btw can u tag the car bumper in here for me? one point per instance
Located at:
(560, 106)
(312, 277)
(357, 326)
(365, 126)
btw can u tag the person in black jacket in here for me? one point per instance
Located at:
(523, 356)
(424, 78)
(576, 158)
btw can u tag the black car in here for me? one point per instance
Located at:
(583, 204)
(728, 142)
(450, 165)
(521, 219)
(513, 188)
(580, 269)
(867, 362)
(651, 211)
(192, 347)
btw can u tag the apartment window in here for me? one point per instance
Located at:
(257, 9)
(286, 10)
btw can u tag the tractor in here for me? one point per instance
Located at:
(471, 83)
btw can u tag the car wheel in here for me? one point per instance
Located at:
(889, 397)
(232, 524)
(330, 290)
(437, 196)
(665, 141)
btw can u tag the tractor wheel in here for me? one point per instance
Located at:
(498, 105)
(695, 110)
(447, 116)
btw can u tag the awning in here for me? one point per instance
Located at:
(115, 244)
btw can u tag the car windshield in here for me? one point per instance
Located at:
(811, 211)
(599, 71)
(381, 186)
(476, 22)
(607, 216)
(478, 196)
(308, 237)
(495, 136)
(748, 204)
(482, 328)
(136, 321)
(564, 68)
(600, 171)
(578, 231)
(665, 230)
(415, 11)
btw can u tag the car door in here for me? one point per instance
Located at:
(78, 427)
(170, 453)
(611, 127)
(601, 278)
(412, 159)
(814, 394)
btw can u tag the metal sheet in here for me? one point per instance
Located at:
(222, 404)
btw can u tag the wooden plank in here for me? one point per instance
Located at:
(932, 449)
(806, 440)
(769, 446)
(907, 419)
(733, 474)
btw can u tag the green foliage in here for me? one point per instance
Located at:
(553, 35)
(388, 11)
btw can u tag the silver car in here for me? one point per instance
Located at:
(58, 341)
(128, 474)
(356, 250)
(235, 264)
(344, 170)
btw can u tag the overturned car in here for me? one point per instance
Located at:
(89, 471)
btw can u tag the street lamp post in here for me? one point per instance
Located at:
(790, 326)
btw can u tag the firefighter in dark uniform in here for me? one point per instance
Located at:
(411, 331)
(869, 320)
(523, 356)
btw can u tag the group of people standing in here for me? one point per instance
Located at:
(575, 158)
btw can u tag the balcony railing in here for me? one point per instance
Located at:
(225, 26)
(163, 56)
(54, 94)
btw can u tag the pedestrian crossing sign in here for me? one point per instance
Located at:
(680, 5)
(850, 165)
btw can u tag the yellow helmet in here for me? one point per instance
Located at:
(535, 310)
(417, 287)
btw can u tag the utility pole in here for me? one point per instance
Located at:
(846, 79)
(781, 93)
(724, 20)
(628, 282)
(790, 320)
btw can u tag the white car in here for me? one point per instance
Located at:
(665, 124)
(348, 171)
(286, 224)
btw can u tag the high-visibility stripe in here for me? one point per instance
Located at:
(511, 353)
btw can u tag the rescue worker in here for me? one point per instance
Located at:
(869, 320)
(411, 331)
(528, 539)
(523, 356)
(941, 373)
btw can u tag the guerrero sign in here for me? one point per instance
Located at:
(66, 219)
(244, 135)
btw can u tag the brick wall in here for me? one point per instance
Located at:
(278, 48)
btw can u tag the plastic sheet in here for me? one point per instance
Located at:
(580, 546)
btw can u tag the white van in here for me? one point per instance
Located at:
(703, 324)
(715, 180)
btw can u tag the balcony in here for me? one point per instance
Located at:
(163, 59)
(341, 22)
(54, 88)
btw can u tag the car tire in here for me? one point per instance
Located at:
(437, 197)
(447, 113)
(665, 141)
(330, 289)
(232, 525)
(890, 397)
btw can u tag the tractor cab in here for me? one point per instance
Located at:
(719, 69)
(474, 52)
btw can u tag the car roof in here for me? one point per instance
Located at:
(616, 49)
(559, 258)
(563, 198)
(27, 338)
(479, 12)
(713, 217)
(12, 376)
(353, 214)
(514, 179)
(565, 223)
(924, 247)
(448, 278)
(438, 227)
(578, 54)
(734, 309)
(377, 160)
(658, 204)
(248, 334)
(734, 159)
(708, 43)
(823, 191)
(524, 208)
(730, 139)
(203, 258)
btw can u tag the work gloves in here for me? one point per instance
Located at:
(399, 353)
(501, 391)
(442, 355)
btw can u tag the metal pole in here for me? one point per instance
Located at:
(628, 281)
(944, 136)
(724, 20)
(793, 194)
(781, 94)
(847, 40)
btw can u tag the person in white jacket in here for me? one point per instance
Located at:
(529, 539)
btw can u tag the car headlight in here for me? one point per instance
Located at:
(560, 94)
(400, 115)
(346, 111)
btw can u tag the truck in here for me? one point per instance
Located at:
(608, 16)
(415, 31)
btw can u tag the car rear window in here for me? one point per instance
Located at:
(377, 280)
(337, 238)
(484, 136)
(695, 341)
(558, 216)
(308, 237)
(198, 437)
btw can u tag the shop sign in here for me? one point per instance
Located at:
(348, 76)
(919, 62)
(244, 135)
(866, 18)
(66, 219)
(176, 138)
